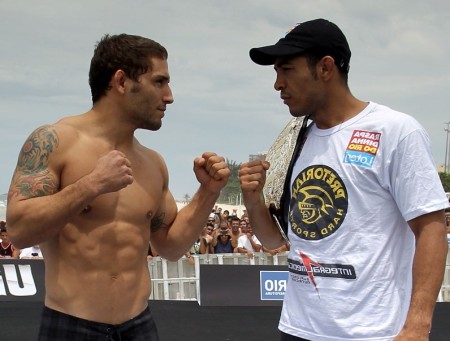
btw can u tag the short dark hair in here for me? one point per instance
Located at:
(129, 53)
(313, 57)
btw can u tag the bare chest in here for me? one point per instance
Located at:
(134, 204)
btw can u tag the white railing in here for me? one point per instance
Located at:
(181, 280)
(444, 294)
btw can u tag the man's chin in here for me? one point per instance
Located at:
(296, 113)
(152, 127)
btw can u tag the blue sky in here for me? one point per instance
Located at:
(223, 102)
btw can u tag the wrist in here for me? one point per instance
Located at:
(208, 193)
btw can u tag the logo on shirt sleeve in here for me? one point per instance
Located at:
(362, 148)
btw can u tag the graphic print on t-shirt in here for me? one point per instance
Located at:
(318, 203)
(362, 148)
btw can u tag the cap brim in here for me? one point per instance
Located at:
(267, 55)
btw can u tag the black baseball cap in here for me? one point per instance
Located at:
(318, 36)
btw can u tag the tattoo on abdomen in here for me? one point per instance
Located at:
(33, 178)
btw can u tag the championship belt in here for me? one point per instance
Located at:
(279, 156)
(282, 155)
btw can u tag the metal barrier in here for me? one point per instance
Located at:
(181, 280)
(444, 294)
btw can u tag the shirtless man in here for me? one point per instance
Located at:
(93, 197)
(235, 231)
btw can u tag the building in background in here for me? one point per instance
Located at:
(260, 156)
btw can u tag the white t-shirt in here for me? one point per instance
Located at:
(30, 251)
(353, 190)
(244, 242)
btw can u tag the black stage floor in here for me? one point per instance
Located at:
(187, 321)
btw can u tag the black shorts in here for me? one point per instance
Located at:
(57, 326)
(287, 337)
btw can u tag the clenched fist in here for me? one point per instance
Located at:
(211, 171)
(111, 173)
(252, 176)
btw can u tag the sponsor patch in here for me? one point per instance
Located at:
(307, 270)
(362, 148)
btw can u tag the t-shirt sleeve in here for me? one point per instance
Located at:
(414, 180)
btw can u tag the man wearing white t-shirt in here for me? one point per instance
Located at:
(364, 204)
(248, 243)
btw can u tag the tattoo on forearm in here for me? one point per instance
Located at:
(32, 177)
(158, 222)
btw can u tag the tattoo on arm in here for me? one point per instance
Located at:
(158, 222)
(32, 177)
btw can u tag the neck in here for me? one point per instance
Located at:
(338, 111)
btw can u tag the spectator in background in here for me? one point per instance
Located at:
(215, 218)
(223, 226)
(447, 224)
(195, 249)
(225, 214)
(7, 250)
(273, 252)
(235, 231)
(32, 252)
(212, 218)
(243, 226)
(2, 225)
(222, 240)
(206, 239)
(248, 243)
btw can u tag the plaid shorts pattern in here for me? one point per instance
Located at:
(57, 326)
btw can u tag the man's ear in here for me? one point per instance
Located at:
(118, 81)
(326, 67)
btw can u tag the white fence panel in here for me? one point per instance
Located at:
(181, 280)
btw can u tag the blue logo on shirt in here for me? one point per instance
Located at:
(359, 158)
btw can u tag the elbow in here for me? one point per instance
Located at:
(172, 257)
(18, 240)
(14, 229)
(17, 237)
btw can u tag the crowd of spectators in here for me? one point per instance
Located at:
(228, 233)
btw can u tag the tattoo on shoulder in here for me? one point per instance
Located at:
(32, 177)
(158, 222)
